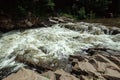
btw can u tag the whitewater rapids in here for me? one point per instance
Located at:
(55, 42)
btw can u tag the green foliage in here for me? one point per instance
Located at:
(82, 13)
(21, 11)
(81, 9)
(91, 15)
(99, 7)
(67, 15)
(50, 4)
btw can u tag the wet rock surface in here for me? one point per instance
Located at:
(102, 64)
(92, 28)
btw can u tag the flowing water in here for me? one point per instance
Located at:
(55, 42)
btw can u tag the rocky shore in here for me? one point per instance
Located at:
(58, 49)
(98, 64)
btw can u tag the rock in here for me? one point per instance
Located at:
(114, 30)
(59, 75)
(51, 75)
(85, 78)
(112, 74)
(28, 23)
(85, 66)
(25, 74)
(53, 21)
(100, 65)
(40, 66)
(6, 24)
(65, 76)
(66, 19)
(60, 19)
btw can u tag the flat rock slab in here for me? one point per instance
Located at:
(25, 74)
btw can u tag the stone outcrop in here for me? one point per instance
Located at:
(98, 64)
(59, 75)
(101, 65)
(7, 24)
(25, 74)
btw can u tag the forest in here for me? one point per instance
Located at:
(79, 9)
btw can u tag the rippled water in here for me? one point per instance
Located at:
(56, 42)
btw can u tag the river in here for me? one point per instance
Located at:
(55, 42)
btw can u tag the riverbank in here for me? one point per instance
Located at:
(30, 21)
(98, 64)
(105, 21)
(67, 45)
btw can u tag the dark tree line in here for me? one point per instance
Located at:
(80, 9)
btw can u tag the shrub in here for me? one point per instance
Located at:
(81, 13)
(50, 4)
(91, 15)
